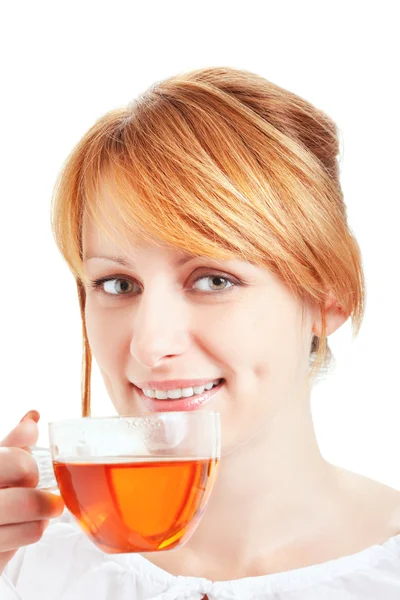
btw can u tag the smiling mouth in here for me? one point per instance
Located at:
(178, 393)
(190, 401)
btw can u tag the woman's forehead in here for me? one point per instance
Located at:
(106, 233)
(101, 240)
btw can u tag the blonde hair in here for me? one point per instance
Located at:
(220, 162)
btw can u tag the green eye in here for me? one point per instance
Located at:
(114, 286)
(118, 286)
(212, 283)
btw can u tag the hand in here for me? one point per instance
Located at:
(24, 511)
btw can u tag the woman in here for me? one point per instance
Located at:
(206, 230)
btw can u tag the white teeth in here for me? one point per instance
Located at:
(180, 393)
(187, 392)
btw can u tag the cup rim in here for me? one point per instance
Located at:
(157, 415)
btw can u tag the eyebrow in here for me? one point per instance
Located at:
(125, 263)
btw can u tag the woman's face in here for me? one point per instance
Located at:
(165, 317)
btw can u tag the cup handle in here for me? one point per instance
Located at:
(47, 480)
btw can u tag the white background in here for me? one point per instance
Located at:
(66, 63)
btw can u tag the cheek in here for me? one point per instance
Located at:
(235, 335)
(106, 336)
(259, 336)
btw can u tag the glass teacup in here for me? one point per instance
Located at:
(135, 484)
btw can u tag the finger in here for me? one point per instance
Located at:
(21, 534)
(25, 433)
(18, 505)
(17, 468)
(32, 414)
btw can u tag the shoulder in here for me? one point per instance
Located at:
(375, 504)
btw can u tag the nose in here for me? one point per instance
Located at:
(160, 328)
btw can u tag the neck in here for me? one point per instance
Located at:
(269, 494)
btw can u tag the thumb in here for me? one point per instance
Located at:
(25, 433)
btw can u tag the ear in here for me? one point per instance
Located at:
(335, 317)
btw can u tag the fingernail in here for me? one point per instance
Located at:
(31, 414)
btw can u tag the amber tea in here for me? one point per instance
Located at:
(127, 504)
(137, 483)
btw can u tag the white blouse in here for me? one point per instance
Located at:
(65, 565)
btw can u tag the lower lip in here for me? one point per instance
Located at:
(191, 403)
